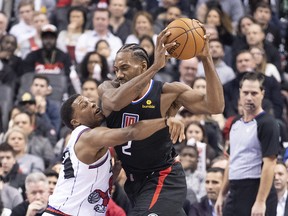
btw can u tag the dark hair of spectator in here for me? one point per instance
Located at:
(215, 170)
(39, 76)
(49, 173)
(67, 111)
(5, 36)
(101, 41)
(79, 9)
(197, 123)
(83, 66)
(240, 21)
(190, 147)
(148, 38)
(261, 4)
(5, 147)
(196, 79)
(90, 80)
(23, 3)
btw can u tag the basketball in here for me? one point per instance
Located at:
(189, 38)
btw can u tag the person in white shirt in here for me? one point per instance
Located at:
(87, 41)
(280, 183)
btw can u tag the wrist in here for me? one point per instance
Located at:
(166, 121)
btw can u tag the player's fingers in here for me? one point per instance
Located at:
(174, 134)
(182, 133)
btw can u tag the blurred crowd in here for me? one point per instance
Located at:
(51, 49)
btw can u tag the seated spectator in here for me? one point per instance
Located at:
(4, 211)
(213, 181)
(119, 25)
(142, 25)
(24, 29)
(48, 59)
(87, 41)
(67, 39)
(90, 89)
(37, 144)
(28, 163)
(94, 66)
(12, 173)
(4, 24)
(102, 47)
(42, 125)
(262, 65)
(34, 42)
(37, 191)
(188, 70)
(52, 177)
(225, 73)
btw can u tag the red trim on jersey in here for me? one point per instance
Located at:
(54, 211)
(163, 175)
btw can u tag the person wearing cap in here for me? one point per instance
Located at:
(48, 59)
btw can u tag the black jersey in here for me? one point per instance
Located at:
(153, 153)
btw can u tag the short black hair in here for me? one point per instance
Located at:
(50, 172)
(5, 147)
(253, 76)
(79, 9)
(39, 76)
(67, 111)
(215, 170)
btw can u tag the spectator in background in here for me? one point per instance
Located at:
(34, 42)
(119, 25)
(262, 65)
(188, 70)
(3, 24)
(280, 183)
(37, 144)
(52, 177)
(40, 89)
(213, 181)
(263, 16)
(37, 191)
(24, 29)
(90, 89)
(224, 72)
(12, 173)
(87, 41)
(94, 66)
(4, 211)
(102, 47)
(142, 25)
(68, 38)
(28, 163)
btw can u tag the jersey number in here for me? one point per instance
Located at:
(125, 147)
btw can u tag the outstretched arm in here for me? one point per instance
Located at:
(213, 101)
(115, 97)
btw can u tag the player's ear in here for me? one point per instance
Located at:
(75, 123)
(144, 66)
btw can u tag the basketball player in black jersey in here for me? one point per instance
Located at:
(155, 183)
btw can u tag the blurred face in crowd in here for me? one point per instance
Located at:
(142, 25)
(213, 18)
(39, 87)
(189, 158)
(216, 50)
(213, 185)
(251, 96)
(8, 43)
(103, 49)
(49, 41)
(168, 3)
(245, 62)
(173, 13)
(257, 54)
(188, 69)
(245, 24)
(26, 13)
(38, 191)
(23, 121)
(17, 141)
(280, 177)
(3, 23)
(117, 8)
(148, 46)
(77, 18)
(92, 61)
(52, 181)
(194, 131)
(262, 15)
(255, 35)
(212, 30)
(39, 21)
(200, 84)
(101, 21)
(90, 90)
(7, 160)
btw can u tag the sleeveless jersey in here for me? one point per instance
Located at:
(153, 153)
(82, 189)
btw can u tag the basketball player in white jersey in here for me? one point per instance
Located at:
(85, 180)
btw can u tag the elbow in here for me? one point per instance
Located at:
(218, 109)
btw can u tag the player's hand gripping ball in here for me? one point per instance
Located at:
(188, 34)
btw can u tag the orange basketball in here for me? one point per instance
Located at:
(189, 38)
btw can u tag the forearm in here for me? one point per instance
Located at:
(225, 182)
(266, 180)
(214, 89)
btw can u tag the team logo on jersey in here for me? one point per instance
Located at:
(148, 105)
(129, 118)
(68, 166)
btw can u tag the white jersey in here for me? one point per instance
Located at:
(82, 189)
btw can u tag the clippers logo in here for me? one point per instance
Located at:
(129, 118)
(173, 49)
(148, 105)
